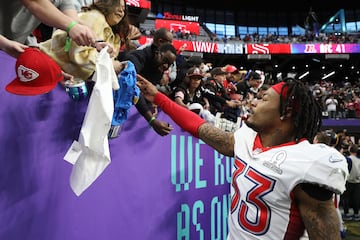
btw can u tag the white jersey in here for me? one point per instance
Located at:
(263, 180)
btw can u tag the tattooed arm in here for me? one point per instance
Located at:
(221, 141)
(319, 216)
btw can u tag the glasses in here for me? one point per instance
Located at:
(165, 61)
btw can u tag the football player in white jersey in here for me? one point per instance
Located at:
(282, 184)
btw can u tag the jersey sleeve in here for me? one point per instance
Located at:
(329, 170)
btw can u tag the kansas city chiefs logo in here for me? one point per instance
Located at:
(26, 74)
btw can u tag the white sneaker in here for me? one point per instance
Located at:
(347, 217)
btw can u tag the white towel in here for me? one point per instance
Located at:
(90, 155)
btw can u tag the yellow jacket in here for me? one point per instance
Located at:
(80, 61)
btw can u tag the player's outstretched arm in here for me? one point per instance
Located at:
(220, 140)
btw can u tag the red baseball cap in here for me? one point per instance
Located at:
(36, 73)
(230, 68)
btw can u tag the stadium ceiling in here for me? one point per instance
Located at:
(293, 6)
(317, 65)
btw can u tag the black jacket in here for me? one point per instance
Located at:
(143, 60)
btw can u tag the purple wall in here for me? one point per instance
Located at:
(172, 187)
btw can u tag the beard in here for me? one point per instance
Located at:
(251, 125)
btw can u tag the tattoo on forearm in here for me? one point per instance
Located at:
(218, 139)
(322, 222)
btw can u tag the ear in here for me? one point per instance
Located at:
(288, 114)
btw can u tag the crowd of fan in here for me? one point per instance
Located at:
(210, 90)
(216, 92)
(293, 38)
(339, 100)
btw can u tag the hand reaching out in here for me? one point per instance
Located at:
(148, 90)
(100, 45)
(11, 47)
(146, 87)
(67, 77)
(162, 128)
(82, 35)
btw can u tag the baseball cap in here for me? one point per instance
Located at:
(36, 73)
(230, 68)
(217, 71)
(195, 106)
(194, 71)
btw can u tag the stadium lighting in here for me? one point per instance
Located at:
(328, 75)
(304, 75)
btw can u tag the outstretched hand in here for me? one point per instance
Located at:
(148, 90)
(99, 45)
(162, 128)
(146, 87)
(11, 47)
(82, 35)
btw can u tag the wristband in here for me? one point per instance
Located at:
(151, 120)
(68, 39)
(183, 117)
(70, 26)
(67, 44)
